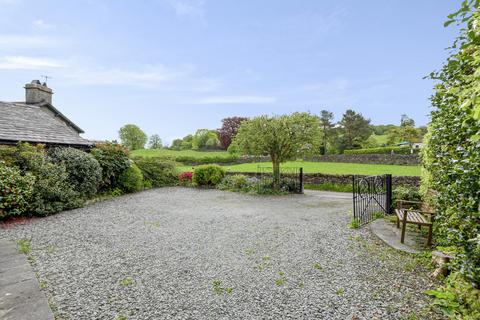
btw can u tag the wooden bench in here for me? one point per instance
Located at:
(413, 216)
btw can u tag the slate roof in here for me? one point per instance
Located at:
(40, 123)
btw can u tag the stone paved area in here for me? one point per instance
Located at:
(20, 295)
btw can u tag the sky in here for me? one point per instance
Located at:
(174, 66)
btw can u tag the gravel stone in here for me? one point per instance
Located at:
(180, 253)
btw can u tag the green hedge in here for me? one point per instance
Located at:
(451, 158)
(381, 150)
(157, 172)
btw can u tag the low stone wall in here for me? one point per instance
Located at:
(398, 159)
(320, 178)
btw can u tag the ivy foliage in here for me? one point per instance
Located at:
(451, 158)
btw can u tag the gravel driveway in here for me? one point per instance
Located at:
(178, 253)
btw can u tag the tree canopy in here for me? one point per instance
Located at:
(354, 130)
(282, 137)
(155, 142)
(228, 130)
(133, 137)
(326, 125)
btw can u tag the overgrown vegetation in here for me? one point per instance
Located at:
(451, 159)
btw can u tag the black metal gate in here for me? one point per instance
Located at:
(372, 196)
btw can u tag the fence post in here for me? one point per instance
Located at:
(301, 180)
(354, 197)
(388, 180)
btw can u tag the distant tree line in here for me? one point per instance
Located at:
(353, 131)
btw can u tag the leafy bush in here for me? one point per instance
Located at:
(131, 180)
(157, 172)
(237, 182)
(52, 190)
(84, 171)
(457, 299)
(185, 178)
(451, 155)
(23, 155)
(381, 150)
(408, 194)
(208, 175)
(113, 158)
(16, 190)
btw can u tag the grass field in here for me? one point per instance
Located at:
(181, 153)
(330, 168)
(381, 139)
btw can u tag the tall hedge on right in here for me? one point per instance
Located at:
(451, 157)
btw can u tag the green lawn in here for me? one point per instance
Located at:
(181, 153)
(382, 139)
(330, 168)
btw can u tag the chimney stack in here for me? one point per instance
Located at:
(36, 92)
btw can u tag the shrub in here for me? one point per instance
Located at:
(113, 158)
(457, 299)
(237, 182)
(185, 178)
(23, 155)
(52, 190)
(84, 171)
(131, 180)
(157, 172)
(381, 150)
(208, 175)
(16, 190)
(408, 194)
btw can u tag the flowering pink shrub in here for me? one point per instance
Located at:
(185, 178)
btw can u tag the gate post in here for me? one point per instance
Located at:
(388, 180)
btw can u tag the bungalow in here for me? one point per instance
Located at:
(37, 121)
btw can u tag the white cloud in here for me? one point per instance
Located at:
(238, 100)
(188, 8)
(41, 24)
(182, 79)
(24, 41)
(28, 63)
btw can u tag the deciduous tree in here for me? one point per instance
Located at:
(155, 142)
(281, 137)
(228, 130)
(132, 137)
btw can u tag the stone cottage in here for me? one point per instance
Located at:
(37, 121)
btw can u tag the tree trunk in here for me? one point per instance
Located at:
(276, 175)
